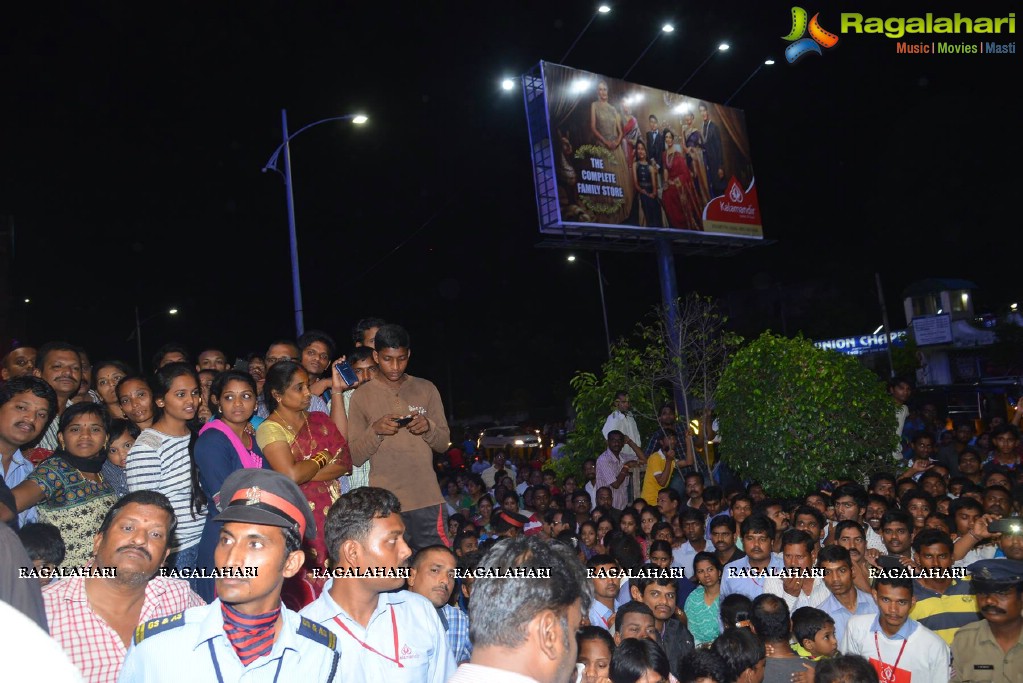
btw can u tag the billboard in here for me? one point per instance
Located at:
(613, 156)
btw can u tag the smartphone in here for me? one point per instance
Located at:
(402, 421)
(344, 369)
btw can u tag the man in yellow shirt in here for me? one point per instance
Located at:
(659, 468)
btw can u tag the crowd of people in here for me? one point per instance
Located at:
(273, 519)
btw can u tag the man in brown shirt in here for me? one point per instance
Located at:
(396, 422)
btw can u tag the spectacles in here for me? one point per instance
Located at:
(271, 360)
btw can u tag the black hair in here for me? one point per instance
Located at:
(391, 337)
(311, 336)
(588, 633)
(632, 607)
(896, 381)
(640, 583)
(1003, 428)
(916, 494)
(600, 559)
(96, 367)
(49, 347)
(705, 556)
(849, 524)
(636, 517)
(928, 537)
(417, 559)
(723, 521)
(361, 327)
(33, 385)
(634, 657)
(770, 618)
(808, 621)
(85, 408)
(735, 608)
(351, 516)
(663, 546)
(758, 523)
(626, 550)
(798, 537)
(672, 494)
(965, 503)
(292, 541)
(845, 669)
(43, 542)
(740, 649)
(854, 491)
(834, 553)
(283, 342)
(898, 516)
(171, 347)
(160, 384)
(359, 354)
(278, 377)
(812, 511)
(877, 478)
(703, 664)
(220, 383)
(502, 609)
(692, 515)
(143, 497)
(713, 492)
(119, 426)
(895, 581)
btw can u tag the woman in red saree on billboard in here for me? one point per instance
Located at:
(681, 203)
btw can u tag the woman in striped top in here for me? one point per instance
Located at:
(162, 460)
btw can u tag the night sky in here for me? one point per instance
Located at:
(134, 138)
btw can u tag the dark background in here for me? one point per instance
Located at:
(134, 138)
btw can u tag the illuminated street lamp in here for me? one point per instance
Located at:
(271, 165)
(571, 258)
(138, 331)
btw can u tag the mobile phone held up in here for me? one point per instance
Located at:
(402, 421)
(344, 369)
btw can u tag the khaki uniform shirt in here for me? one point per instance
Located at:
(977, 657)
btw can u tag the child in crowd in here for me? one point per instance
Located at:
(122, 437)
(45, 548)
(814, 633)
(595, 649)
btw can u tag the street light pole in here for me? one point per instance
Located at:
(603, 305)
(296, 281)
(296, 284)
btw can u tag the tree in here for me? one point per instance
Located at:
(793, 416)
(704, 347)
(594, 401)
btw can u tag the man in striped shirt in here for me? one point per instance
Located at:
(944, 604)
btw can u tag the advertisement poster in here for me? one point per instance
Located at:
(629, 156)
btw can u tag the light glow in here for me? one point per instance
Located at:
(360, 119)
(667, 28)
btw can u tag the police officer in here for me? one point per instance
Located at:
(247, 634)
(992, 649)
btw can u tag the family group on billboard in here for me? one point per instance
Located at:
(632, 155)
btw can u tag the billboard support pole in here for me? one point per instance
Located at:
(669, 297)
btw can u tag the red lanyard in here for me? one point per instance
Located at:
(394, 626)
(888, 674)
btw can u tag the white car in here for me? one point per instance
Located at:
(509, 437)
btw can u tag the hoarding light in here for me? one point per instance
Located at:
(571, 258)
(724, 46)
(667, 28)
(769, 62)
(604, 9)
(507, 84)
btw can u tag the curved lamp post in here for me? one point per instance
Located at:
(271, 165)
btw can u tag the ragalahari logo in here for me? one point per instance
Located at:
(801, 46)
